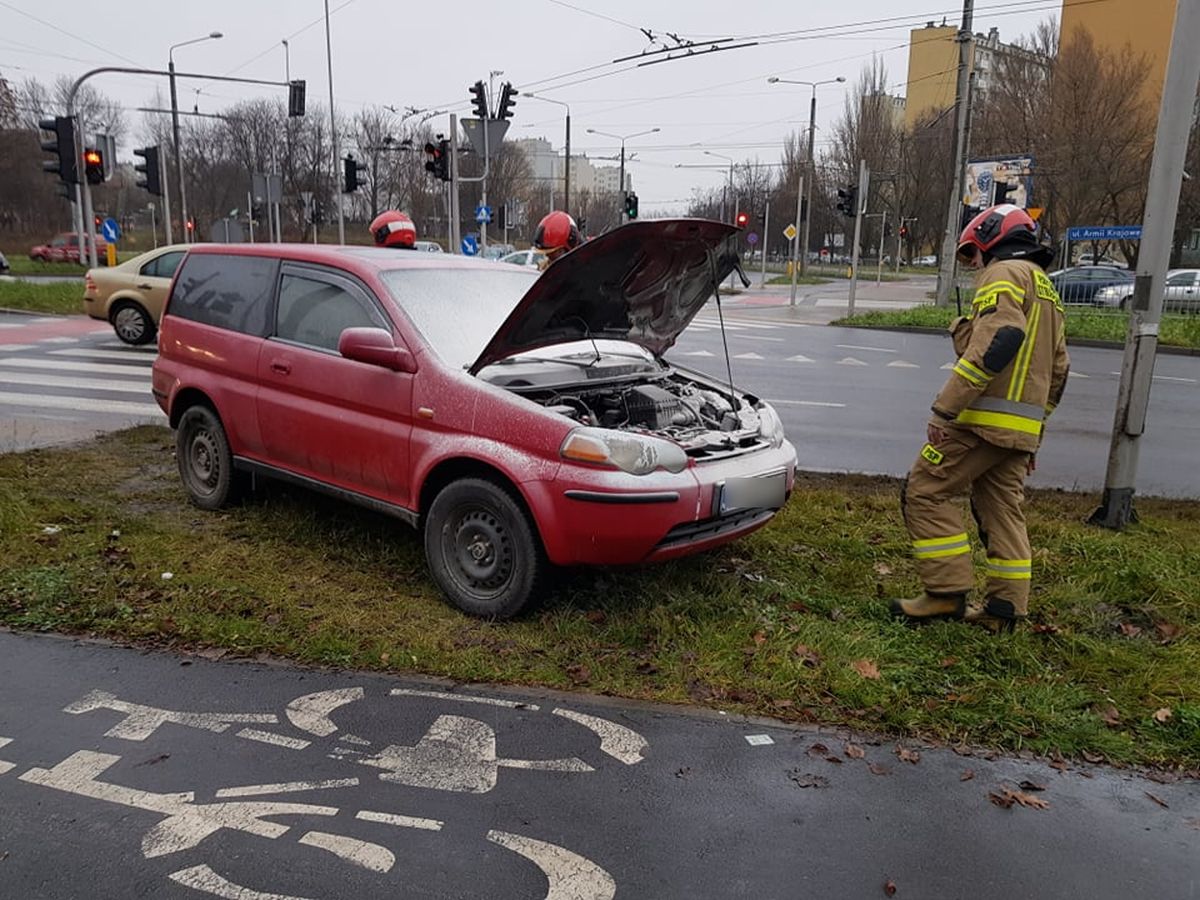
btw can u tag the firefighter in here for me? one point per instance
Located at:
(556, 234)
(987, 426)
(393, 229)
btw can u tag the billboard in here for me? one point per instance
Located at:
(983, 175)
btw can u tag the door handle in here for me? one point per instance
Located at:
(144, 287)
(281, 366)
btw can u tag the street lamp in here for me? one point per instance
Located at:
(731, 197)
(211, 36)
(623, 139)
(812, 172)
(567, 164)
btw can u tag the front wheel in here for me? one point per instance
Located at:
(133, 325)
(205, 462)
(482, 549)
(1126, 302)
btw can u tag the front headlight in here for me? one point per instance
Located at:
(769, 425)
(637, 454)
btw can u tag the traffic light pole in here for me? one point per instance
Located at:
(1149, 290)
(882, 234)
(455, 221)
(796, 239)
(766, 231)
(962, 113)
(863, 191)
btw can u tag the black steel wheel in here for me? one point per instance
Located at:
(482, 548)
(132, 323)
(205, 463)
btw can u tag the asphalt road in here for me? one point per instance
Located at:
(126, 774)
(857, 400)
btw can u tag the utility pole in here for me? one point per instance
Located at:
(1158, 227)
(806, 210)
(863, 179)
(796, 239)
(337, 195)
(455, 237)
(962, 113)
(882, 232)
(483, 186)
(621, 189)
(766, 231)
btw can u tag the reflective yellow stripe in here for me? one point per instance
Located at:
(999, 420)
(972, 372)
(935, 548)
(996, 562)
(1025, 355)
(1010, 569)
(937, 554)
(939, 541)
(997, 286)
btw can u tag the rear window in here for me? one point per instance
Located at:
(230, 292)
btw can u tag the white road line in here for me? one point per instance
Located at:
(696, 353)
(800, 357)
(141, 357)
(287, 787)
(59, 340)
(311, 712)
(59, 365)
(12, 325)
(367, 815)
(267, 737)
(949, 367)
(1173, 378)
(621, 743)
(748, 356)
(203, 878)
(808, 403)
(571, 876)
(759, 337)
(902, 364)
(79, 384)
(851, 361)
(733, 323)
(83, 404)
(860, 347)
(142, 721)
(364, 854)
(6, 766)
(462, 698)
(13, 348)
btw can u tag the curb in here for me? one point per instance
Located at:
(1076, 342)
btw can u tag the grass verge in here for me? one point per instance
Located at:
(800, 279)
(790, 622)
(23, 265)
(1175, 331)
(54, 297)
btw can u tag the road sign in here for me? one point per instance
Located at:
(1105, 233)
(469, 245)
(1035, 212)
(111, 230)
(496, 129)
(752, 239)
(790, 232)
(483, 214)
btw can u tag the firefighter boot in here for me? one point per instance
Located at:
(996, 615)
(931, 606)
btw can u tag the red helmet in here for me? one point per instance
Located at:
(393, 229)
(993, 225)
(556, 231)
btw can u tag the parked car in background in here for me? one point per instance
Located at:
(64, 247)
(523, 258)
(1181, 294)
(4, 268)
(925, 261)
(428, 246)
(1087, 259)
(131, 296)
(520, 420)
(496, 251)
(1079, 284)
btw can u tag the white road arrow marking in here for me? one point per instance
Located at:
(311, 712)
(6, 766)
(869, 349)
(363, 854)
(142, 721)
(571, 876)
(799, 358)
(287, 787)
(462, 698)
(902, 364)
(203, 878)
(809, 403)
(13, 348)
(851, 361)
(621, 743)
(748, 356)
(367, 815)
(696, 353)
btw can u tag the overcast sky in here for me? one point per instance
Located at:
(427, 54)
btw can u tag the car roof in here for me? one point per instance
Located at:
(347, 256)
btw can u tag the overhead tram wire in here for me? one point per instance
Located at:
(275, 44)
(69, 34)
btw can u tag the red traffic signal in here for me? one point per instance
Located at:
(742, 219)
(903, 231)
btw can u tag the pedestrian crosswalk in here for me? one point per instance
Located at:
(102, 379)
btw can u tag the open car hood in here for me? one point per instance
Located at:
(642, 282)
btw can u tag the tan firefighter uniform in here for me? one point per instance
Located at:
(1010, 374)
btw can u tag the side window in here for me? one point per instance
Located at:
(1182, 279)
(164, 266)
(315, 312)
(226, 291)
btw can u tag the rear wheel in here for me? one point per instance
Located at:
(205, 462)
(132, 323)
(482, 548)
(1125, 302)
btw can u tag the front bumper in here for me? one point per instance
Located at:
(601, 517)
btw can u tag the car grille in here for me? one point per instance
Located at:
(692, 532)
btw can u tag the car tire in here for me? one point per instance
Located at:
(204, 459)
(483, 551)
(133, 325)
(1126, 302)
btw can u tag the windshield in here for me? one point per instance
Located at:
(458, 311)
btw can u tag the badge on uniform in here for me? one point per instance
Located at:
(932, 455)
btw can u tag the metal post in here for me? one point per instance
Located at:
(455, 236)
(812, 176)
(483, 186)
(166, 196)
(183, 211)
(962, 103)
(766, 231)
(882, 232)
(153, 227)
(621, 187)
(863, 178)
(1158, 227)
(566, 171)
(337, 196)
(899, 228)
(250, 215)
(89, 223)
(796, 239)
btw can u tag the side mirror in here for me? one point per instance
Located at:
(375, 347)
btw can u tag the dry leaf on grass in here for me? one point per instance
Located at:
(1162, 715)
(866, 669)
(1130, 630)
(807, 655)
(1167, 632)
(882, 568)
(949, 661)
(853, 751)
(1158, 800)
(1111, 716)
(579, 673)
(760, 638)
(908, 756)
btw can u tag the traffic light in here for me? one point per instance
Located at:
(848, 200)
(149, 174)
(762, 219)
(295, 98)
(507, 92)
(438, 163)
(61, 147)
(904, 232)
(350, 180)
(93, 165)
(479, 100)
(1002, 190)
(741, 219)
(631, 205)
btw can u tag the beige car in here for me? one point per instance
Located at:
(131, 295)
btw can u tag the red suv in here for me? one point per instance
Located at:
(519, 421)
(65, 248)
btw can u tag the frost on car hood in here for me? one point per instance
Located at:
(642, 282)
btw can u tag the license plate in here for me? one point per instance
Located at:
(765, 491)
